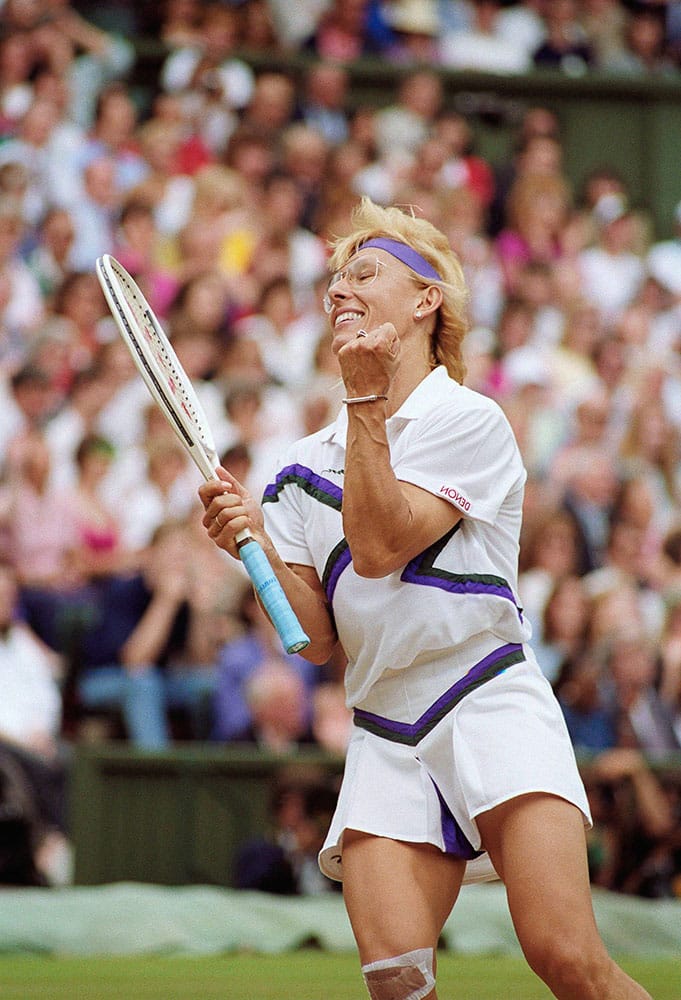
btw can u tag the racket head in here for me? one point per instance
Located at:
(157, 362)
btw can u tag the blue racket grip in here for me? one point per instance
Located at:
(272, 596)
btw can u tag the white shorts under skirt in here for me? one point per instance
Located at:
(506, 737)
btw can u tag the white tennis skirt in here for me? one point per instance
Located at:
(475, 748)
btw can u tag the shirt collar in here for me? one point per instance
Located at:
(429, 391)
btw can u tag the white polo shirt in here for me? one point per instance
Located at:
(456, 600)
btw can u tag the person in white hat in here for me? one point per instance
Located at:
(664, 259)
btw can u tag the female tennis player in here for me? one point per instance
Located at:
(395, 531)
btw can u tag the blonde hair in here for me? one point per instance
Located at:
(218, 189)
(369, 221)
(528, 191)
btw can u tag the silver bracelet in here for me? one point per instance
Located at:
(365, 399)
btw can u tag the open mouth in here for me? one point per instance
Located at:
(348, 316)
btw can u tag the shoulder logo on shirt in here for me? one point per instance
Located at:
(333, 472)
(457, 497)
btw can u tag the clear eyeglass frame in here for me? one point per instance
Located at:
(359, 273)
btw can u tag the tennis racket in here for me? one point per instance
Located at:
(167, 382)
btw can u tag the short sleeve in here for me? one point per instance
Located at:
(469, 458)
(285, 520)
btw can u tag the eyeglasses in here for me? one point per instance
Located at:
(359, 273)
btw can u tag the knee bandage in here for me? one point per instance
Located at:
(405, 977)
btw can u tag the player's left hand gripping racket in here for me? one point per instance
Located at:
(167, 382)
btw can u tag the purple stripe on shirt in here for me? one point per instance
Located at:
(312, 483)
(456, 584)
(409, 731)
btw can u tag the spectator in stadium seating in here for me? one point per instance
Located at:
(252, 156)
(634, 825)
(566, 46)
(80, 300)
(113, 135)
(30, 731)
(203, 306)
(538, 208)
(165, 186)
(164, 491)
(570, 360)
(304, 158)
(66, 44)
(402, 126)
(219, 234)
(633, 817)
(31, 149)
(663, 259)
(542, 286)
(78, 416)
(181, 23)
(645, 51)
(416, 28)
(331, 718)
(463, 167)
(635, 505)
(95, 214)
(279, 708)
(523, 24)
(271, 107)
(253, 673)
(16, 90)
(213, 82)
(465, 221)
(549, 552)
(171, 111)
(644, 719)
(513, 333)
(651, 448)
(613, 269)
(286, 863)
(527, 156)
(198, 352)
(564, 626)
(627, 565)
(589, 426)
(258, 31)
(138, 246)
(99, 549)
(38, 518)
(50, 260)
(286, 246)
(343, 34)
(287, 337)
(589, 493)
(97, 57)
(484, 46)
(604, 23)
(147, 648)
(605, 179)
(27, 399)
(259, 423)
(338, 192)
(21, 304)
(323, 102)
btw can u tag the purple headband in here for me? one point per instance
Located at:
(406, 254)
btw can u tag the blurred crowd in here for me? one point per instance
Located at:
(219, 193)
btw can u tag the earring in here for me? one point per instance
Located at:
(418, 314)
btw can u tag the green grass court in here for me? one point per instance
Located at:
(300, 975)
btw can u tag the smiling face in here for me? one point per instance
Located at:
(372, 288)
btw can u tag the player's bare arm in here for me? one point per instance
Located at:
(228, 510)
(386, 522)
